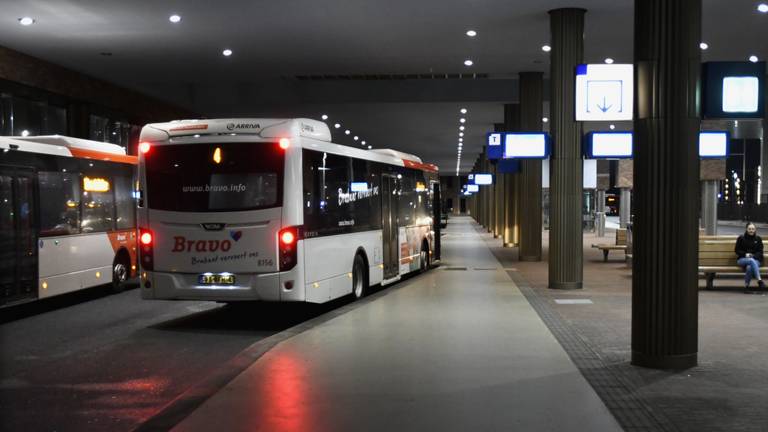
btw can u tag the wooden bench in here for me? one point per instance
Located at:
(621, 243)
(716, 255)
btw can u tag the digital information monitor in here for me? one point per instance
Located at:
(713, 144)
(473, 188)
(526, 145)
(733, 90)
(483, 179)
(608, 145)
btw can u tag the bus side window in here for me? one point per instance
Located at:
(98, 203)
(60, 203)
(125, 203)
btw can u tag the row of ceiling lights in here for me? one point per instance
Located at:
(346, 132)
(462, 121)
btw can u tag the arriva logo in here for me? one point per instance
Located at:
(233, 126)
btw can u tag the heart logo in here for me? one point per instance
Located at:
(235, 235)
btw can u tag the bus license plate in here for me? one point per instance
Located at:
(216, 279)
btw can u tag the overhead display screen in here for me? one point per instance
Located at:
(713, 144)
(473, 188)
(531, 145)
(604, 92)
(608, 145)
(733, 89)
(483, 179)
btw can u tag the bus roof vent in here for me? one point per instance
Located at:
(398, 154)
(78, 143)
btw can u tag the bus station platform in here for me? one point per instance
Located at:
(457, 348)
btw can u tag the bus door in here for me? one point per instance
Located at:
(389, 208)
(437, 208)
(18, 236)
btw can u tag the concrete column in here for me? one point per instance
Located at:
(625, 207)
(565, 165)
(531, 107)
(709, 191)
(512, 184)
(498, 197)
(666, 183)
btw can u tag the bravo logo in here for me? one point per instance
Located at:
(182, 244)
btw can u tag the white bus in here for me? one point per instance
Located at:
(67, 216)
(270, 209)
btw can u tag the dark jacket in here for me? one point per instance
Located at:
(750, 244)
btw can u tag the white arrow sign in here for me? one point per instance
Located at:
(604, 92)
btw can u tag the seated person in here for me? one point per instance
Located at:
(749, 248)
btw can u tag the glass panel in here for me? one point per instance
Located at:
(214, 177)
(60, 196)
(26, 234)
(8, 245)
(97, 204)
(125, 203)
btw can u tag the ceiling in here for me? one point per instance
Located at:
(344, 43)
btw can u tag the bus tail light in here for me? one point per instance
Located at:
(146, 249)
(287, 240)
(144, 147)
(284, 143)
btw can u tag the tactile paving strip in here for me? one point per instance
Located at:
(614, 386)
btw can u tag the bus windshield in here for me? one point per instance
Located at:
(206, 177)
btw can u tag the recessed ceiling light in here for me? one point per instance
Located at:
(355, 138)
(546, 48)
(462, 120)
(346, 132)
(703, 45)
(461, 134)
(370, 147)
(762, 7)
(463, 110)
(471, 33)
(544, 119)
(461, 139)
(227, 52)
(362, 142)
(337, 125)
(324, 117)
(468, 62)
(26, 21)
(174, 19)
(753, 59)
(461, 128)
(609, 60)
(613, 126)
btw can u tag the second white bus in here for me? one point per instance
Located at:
(271, 209)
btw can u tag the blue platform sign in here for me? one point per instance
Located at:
(604, 92)
(494, 145)
(508, 166)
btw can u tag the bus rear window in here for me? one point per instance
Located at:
(214, 177)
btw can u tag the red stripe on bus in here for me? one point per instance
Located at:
(419, 165)
(93, 154)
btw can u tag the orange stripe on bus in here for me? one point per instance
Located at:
(94, 154)
(189, 127)
(419, 165)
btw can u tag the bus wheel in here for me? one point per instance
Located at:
(424, 257)
(359, 280)
(119, 273)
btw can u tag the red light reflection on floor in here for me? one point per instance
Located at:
(284, 393)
